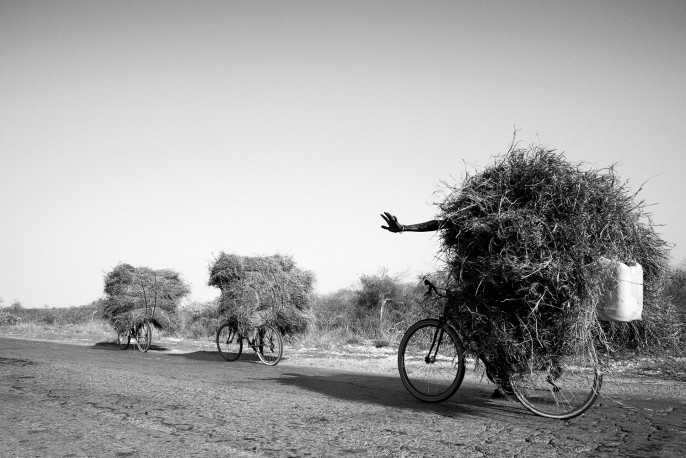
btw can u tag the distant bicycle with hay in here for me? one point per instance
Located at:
(266, 341)
(139, 298)
(262, 298)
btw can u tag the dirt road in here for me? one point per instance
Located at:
(96, 400)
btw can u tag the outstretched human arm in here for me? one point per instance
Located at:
(395, 226)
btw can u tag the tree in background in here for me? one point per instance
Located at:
(379, 308)
(335, 309)
(16, 306)
(379, 295)
(387, 303)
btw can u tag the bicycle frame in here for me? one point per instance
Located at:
(442, 320)
(549, 391)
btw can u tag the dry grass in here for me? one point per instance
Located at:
(263, 290)
(522, 245)
(93, 331)
(135, 294)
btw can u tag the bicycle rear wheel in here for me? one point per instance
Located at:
(269, 345)
(229, 343)
(559, 387)
(431, 361)
(144, 336)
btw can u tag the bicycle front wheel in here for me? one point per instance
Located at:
(431, 361)
(269, 346)
(123, 338)
(144, 337)
(559, 387)
(229, 343)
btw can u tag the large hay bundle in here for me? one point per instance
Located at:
(138, 293)
(522, 248)
(263, 290)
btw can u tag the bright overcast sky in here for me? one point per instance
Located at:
(160, 133)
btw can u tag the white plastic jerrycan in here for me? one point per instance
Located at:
(622, 298)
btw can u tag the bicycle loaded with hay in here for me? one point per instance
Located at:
(543, 258)
(139, 298)
(262, 298)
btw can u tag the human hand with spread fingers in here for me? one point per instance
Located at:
(394, 226)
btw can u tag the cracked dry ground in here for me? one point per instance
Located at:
(86, 400)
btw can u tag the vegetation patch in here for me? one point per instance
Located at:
(7, 318)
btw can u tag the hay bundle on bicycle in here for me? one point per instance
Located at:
(522, 246)
(135, 294)
(263, 290)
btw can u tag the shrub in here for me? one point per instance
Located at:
(379, 309)
(675, 291)
(7, 318)
(335, 309)
(81, 314)
(387, 304)
(199, 320)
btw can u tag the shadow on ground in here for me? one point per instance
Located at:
(388, 391)
(472, 399)
(205, 355)
(201, 355)
(132, 346)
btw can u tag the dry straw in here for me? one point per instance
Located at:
(263, 290)
(135, 294)
(522, 246)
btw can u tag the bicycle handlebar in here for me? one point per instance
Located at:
(432, 287)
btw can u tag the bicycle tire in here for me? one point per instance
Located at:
(229, 343)
(270, 346)
(559, 387)
(426, 379)
(123, 339)
(144, 337)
